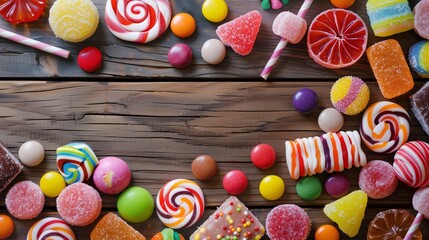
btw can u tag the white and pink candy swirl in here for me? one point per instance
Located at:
(412, 163)
(50, 228)
(385, 127)
(180, 203)
(138, 21)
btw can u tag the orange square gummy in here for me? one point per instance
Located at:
(111, 227)
(390, 68)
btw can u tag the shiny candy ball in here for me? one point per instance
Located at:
(213, 51)
(215, 10)
(135, 204)
(342, 3)
(235, 182)
(305, 100)
(52, 183)
(180, 55)
(330, 120)
(272, 187)
(90, 59)
(6, 226)
(263, 156)
(337, 185)
(31, 153)
(182, 25)
(309, 188)
(327, 232)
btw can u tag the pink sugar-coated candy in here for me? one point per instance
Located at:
(79, 204)
(421, 200)
(378, 179)
(276, 4)
(421, 18)
(290, 27)
(25, 200)
(288, 221)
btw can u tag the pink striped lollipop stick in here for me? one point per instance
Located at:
(414, 226)
(34, 43)
(283, 42)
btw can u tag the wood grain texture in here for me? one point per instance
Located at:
(149, 61)
(159, 128)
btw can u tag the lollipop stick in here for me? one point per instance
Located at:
(282, 44)
(414, 226)
(34, 43)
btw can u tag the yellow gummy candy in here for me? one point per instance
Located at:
(73, 20)
(348, 212)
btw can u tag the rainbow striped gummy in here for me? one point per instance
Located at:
(419, 58)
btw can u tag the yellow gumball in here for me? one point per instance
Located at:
(215, 10)
(52, 183)
(272, 187)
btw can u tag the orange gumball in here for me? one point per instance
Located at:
(327, 232)
(183, 25)
(342, 3)
(6, 226)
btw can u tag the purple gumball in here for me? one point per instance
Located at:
(305, 101)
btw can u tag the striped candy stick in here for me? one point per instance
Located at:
(414, 226)
(282, 43)
(34, 43)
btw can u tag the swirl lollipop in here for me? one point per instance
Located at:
(180, 203)
(50, 228)
(138, 20)
(385, 127)
(76, 162)
(411, 163)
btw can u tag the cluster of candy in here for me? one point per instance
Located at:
(327, 153)
(180, 203)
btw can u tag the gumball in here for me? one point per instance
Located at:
(235, 182)
(342, 3)
(213, 51)
(52, 183)
(31, 153)
(337, 185)
(215, 10)
(6, 226)
(182, 25)
(90, 59)
(135, 204)
(330, 120)
(263, 156)
(180, 55)
(305, 100)
(327, 232)
(309, 188)
(204, 167)
(272, 187)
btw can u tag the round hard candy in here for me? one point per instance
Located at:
(183, 25)
(330, 120)
(272, 187)
(235, 182)
(327, 232)
(6, 226)
(180, 55)
(337, 185)
(50, 228)
(305, 100)
(263, 156)
(112, 175)
(213, 51)
(90, 59)
(25, 200)
(135, 204)
(342, 3)
(309, 188)
(31, 153)
(52, 183)
(411, 163)
(377, 179)
(215, 10)
(204, 167)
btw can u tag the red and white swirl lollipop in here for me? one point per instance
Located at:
(50, 228)
(385, 127)
(180, 203)
(138, 21)
(411, 163)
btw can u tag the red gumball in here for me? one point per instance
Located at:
(263, 156)
(90, 59)
(235, 182)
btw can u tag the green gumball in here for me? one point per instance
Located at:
(135, 204)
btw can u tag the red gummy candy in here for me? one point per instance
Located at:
(21, 11)
(240, 33)
(288, 221)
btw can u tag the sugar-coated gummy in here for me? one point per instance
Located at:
(111, 226)
(288, 221)
(378, 179)
(25, 200)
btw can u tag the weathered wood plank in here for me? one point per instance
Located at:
(123, 59)
(159, 128)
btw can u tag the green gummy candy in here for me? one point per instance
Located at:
(285, 2)
(266, 4)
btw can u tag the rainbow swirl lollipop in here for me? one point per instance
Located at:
(50, 228)
(385, 127)
(180, 203)
(76, 162)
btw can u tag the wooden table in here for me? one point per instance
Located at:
(159, 128)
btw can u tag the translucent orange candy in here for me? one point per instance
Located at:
(390, 68)
(111, 226)
(21, 11)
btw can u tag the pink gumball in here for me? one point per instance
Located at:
(112, 175)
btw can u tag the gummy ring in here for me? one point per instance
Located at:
(138, 21)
